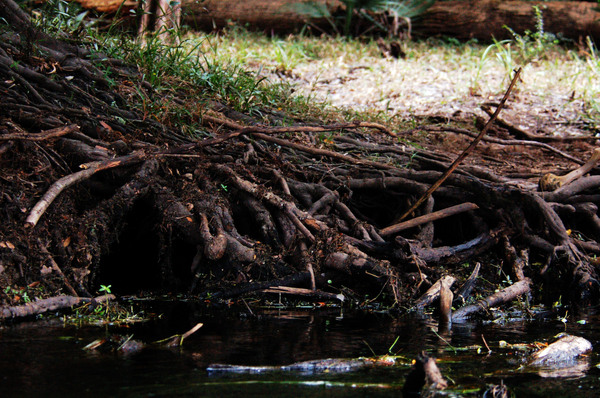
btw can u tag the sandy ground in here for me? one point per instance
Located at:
(545, 101)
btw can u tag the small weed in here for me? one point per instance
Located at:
(22, 295)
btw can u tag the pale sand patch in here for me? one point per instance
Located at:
(547, 100)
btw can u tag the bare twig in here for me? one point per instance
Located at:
(295, 129)
(466, 152)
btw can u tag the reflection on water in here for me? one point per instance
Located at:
(46, 358)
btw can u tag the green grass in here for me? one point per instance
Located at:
(252, 71)
(551, 69)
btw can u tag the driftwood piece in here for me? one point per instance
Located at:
(503, 296)
(49, 304)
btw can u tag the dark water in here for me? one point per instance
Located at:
(46, 358)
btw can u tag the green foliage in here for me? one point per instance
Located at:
(105, 289)
(531, 46)
(60, 16)
(363, 9)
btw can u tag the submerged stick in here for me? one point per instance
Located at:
(466, 152)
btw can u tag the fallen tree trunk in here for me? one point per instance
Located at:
(486, 19)
(462, 19)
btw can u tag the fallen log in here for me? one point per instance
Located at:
(486, 19)
(49, 304)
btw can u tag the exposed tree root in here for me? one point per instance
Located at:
(255, 208)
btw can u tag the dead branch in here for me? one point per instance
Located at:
(323, 152)
(90, 169)
(503, 142)
(503, 296)
(551, 182)
(295, 129)
(529, 136)
(49, 304)
(566, 192)
(466, 152)
(436, 215)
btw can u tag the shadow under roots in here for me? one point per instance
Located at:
(132, 264)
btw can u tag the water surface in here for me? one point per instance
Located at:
(46, 358)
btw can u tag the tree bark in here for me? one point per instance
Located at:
(271, 15)
(462, 19)
(485, 19)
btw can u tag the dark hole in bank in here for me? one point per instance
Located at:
(132, 265)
